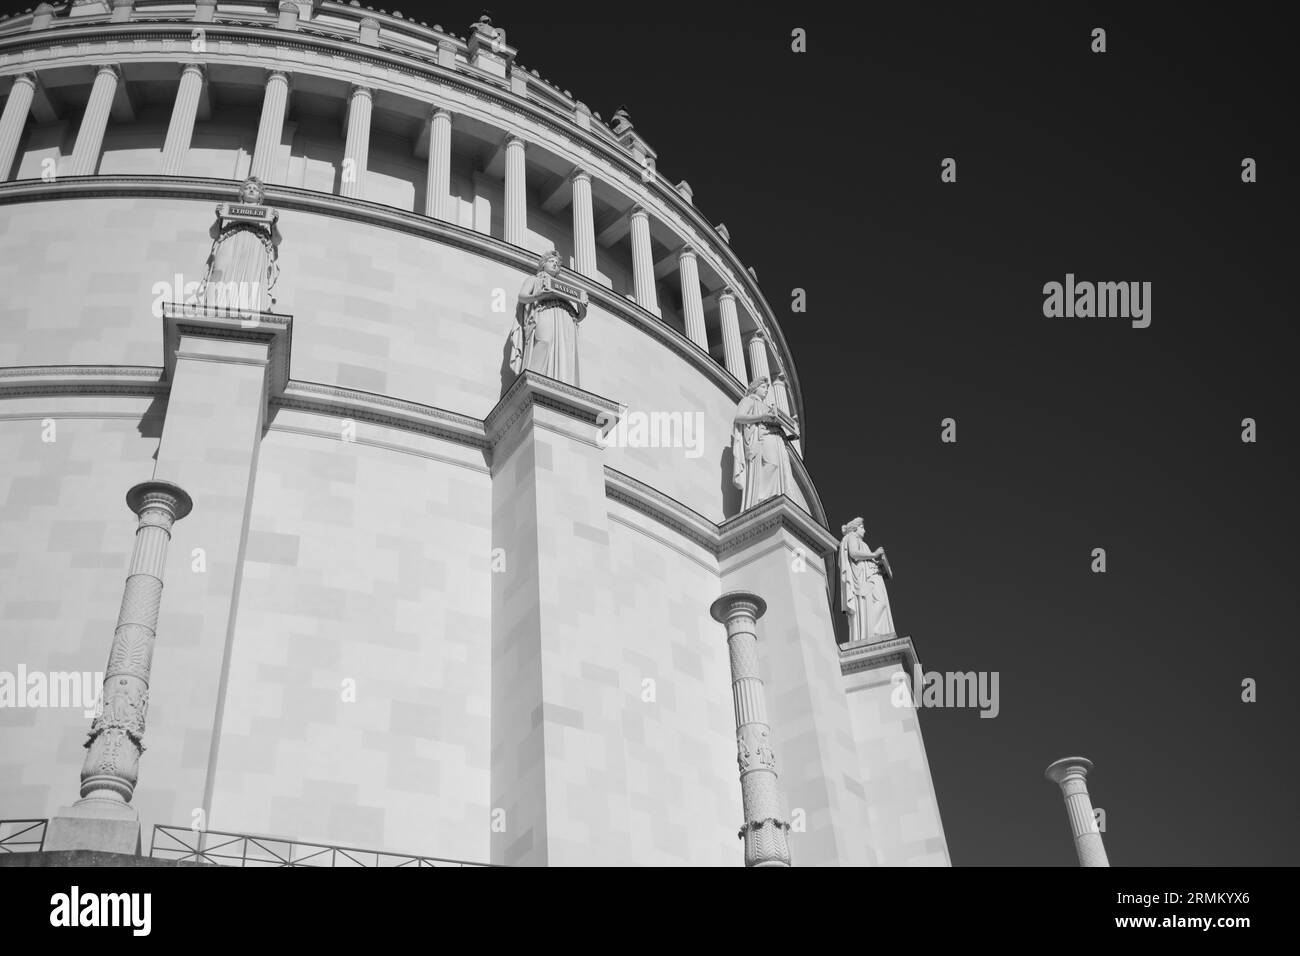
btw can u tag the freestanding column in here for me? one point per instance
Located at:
(90, 137)
(181, 129)
(270, 129)
(437, 195)
(103, 818)
(765, 828)
(356, 151)
(584, 225)
(516, 196)
(758, 357)
(14, 120)
(733, 352)
(1069, 774)
(693, 305)
(643, 267)
(781, 390)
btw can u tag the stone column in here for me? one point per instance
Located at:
(584, 225)
(782, 392)
(437, 195)
(692, 304)
(643, 267)
(181, 129)
(14, 120)
(1069, 774)
(516, 195)
(356, 150)
(765, 828)
(90, 136)
(733, 351)
(103, 818)
(270, 129)
(758, 357)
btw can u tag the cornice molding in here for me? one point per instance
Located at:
(779, 513)
(36, 381)
(381, 410)
(858, 656)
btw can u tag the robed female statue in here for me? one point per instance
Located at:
(760, 457)
(242, 265)
(862, 586)
(544, 338)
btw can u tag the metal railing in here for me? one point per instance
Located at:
(241, 849)
(22, 836)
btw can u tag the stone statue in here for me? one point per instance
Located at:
(544, 337)
(760, 458)
(242, 266)
(862, 586)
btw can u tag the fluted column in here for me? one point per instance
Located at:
(584, 225)
(437, 195)
(356, 149)
(643, 266)
(1069, 774)
(14, 120)
(181, 129)
(692, 303)
(117, 734)
(765, 828)
(516, 195)
(732, 351)
(758, 357)
(90, 136)
(270, 129)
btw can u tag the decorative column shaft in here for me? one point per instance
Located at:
(584, 225)
(181, 129)
(765, 828)
(117, 734)
(643, 267)
(90, 136)
(516, 195)
(1069, 774)
(758, 357)
(356, 150)
(733, 351)
(270, 129)
(12, 123)
(692, 303)
(437, 195)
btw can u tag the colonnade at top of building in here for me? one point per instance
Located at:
(661, 257)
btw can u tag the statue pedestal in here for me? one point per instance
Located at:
(94, 823)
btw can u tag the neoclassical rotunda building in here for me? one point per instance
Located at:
(352, 569)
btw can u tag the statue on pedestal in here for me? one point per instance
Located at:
(862, 586)
(242, 266)
(760, 458)
(544, 337)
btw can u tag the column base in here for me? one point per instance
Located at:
(107, 826)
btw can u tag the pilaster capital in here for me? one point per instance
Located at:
(565, 409)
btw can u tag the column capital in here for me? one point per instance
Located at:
(639, 211)
(358, 90)
(200, 68)
(276, 74)
(757, 336)
(578, 173)
(1067, 767)
(687, 251)
(734, 604)
(28, 78)
(156, 493)
(435, 111)
(112, 68)
(727, 293)
(514, 139)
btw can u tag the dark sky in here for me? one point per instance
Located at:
(925, 302)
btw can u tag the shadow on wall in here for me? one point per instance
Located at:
(730, 493)
(150, 424)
